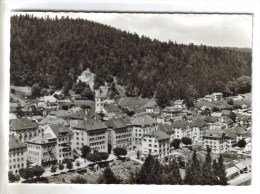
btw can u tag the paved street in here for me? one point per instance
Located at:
(240, 179)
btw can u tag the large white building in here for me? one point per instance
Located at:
(219, 140)
(141, 126)
(156, 143)
(90, 132)
(17, 155)
(120, 133)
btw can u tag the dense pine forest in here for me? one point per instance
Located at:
(53, 52)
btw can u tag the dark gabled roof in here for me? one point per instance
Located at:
(166, 128)
(60, 113)
(15, 143)
(145, 120)
(181, 124)
(239, 130)
(158, 134)
(111, 108)
(59, 128)
(21, 123)
(118, 123)
(80, 115)
(198, 123)
(49, 120)
(90, 124)
(218, 133)
(211, 119)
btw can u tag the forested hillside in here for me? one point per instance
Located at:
(54, 52)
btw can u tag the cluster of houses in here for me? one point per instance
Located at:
(58, 135)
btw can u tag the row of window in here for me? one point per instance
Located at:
(18, 166)
(97, 143)
(97, 138)
(34, 153)
(16, 154)
(17, 159)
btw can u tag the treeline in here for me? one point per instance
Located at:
(54, 52)
(197, 172)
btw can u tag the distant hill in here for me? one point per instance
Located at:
(54, 52)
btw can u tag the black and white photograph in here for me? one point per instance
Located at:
(129, 98)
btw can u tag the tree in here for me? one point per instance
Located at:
(77, 163)
(103, 155)
(186, 141)
(144, 176)
(119, 151)
(36, 90)
(85, 150)
(26, 173)
(219, 171)
(138, 155)
(176, 143)
(53, 168)
(69, 165)
(12, 91)
(13, 178)
(87, 92)
(108, 177)
(38, 171)
(241, 143)
(78, 180)
(93, 157)
(233, 116)
(61, 166)
(109, 147)
(230, 101)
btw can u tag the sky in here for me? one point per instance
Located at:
(208, 29)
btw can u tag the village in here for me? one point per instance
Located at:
(52, 131)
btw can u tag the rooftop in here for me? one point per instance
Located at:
(145, 120)
(15, 143)
(59, 128)
(117, 123)
(158, 134)
(112, 108)
(21, 123)
(166, 128)
(90, 124)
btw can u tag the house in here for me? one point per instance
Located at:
(217, 97)
(111, 111)
(59, 114)
(101, 95)
(205, 110)
(17, 155)
(43, 124)
(64, 137)
(48, 102)
(23, 129)
(173, 112)
(193, 130)
(168, 129)
(156, 143)
(142, 125)
(90, 132)
(119, 133)
(240, 132)
(179, 104)
(150, 106)
(219, 140)
(209, 98)
(42, 150)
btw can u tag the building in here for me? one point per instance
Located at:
(156, 143)
(42, 150)
(90, 132)
(209, 98)
(119, 133)
(217, 97)
(219, 140)
(150, 106)
(100, 96)
(168, 129)
(23, 129)
(17, 155)
(64, 137)
(142, 125)
(48, 102)
(179, 104)
(112, 111)
(240, 132)
(173, 112)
